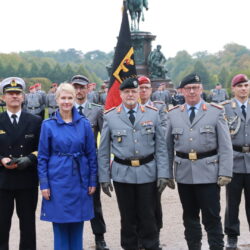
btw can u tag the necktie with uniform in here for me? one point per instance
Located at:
(14, 117)
(131, 116)
(192, 114)
(243, 107)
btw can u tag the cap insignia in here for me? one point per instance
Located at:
(13, 83)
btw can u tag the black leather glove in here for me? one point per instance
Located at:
(106, 188)
(171, 183)
(161, 184)
(23, 162)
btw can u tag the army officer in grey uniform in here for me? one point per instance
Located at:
(238, 117)
(218, 94)
(51, 99)
(203, 162)
(134, 135)
(94, 113)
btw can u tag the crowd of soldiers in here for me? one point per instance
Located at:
(152, 140)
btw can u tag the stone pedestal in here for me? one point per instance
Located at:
(141, 41)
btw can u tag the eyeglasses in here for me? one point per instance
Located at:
(80, 88)
(195, 88)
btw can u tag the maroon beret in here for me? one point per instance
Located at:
(240, 78)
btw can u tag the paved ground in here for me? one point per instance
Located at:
(171, 235)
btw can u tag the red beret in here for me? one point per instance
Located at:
(240, 78)
(31, 87)
(37, 84)
(144, 80)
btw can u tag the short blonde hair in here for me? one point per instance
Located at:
(67, 87)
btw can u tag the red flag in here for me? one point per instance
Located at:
(123, 63)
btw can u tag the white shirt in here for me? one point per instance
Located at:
(17, 114)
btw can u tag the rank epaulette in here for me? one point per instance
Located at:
(152, 107)
(216, 105)
(174, 107)
(94, 104)
(225, 102)
(107, 111)
(159, 102)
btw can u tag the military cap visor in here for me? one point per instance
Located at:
(79, 79)
(190, 79)
(129, 83)
(12, 84)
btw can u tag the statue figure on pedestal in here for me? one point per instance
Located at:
(135, 8)
(157, 64)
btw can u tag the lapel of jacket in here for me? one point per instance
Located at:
(7, 125)
(87, 109)
(22, 124)
(237, 109)
(123, 115)
(139, 114)
(184, 114)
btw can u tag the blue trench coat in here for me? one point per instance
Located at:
(67, 166)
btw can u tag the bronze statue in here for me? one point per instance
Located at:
(157, 64)
(135, 8)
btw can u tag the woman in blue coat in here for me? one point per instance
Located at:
(67, 171)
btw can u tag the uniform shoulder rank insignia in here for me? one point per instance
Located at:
(159, 102)
(2, 132)
(107, 111)
(216, 105)
(225, 102)
(152, 107)
(94, 104)
(174, 107)
(233, 105)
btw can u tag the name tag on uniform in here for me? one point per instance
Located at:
(29, 136)
(2, 132)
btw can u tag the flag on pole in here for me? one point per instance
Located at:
(123, 64)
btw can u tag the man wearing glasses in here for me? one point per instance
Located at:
(94, 114)
(203, 162)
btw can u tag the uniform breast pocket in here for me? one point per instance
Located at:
(208, 135)
(148, 132)
(119, 137)
(177, 133)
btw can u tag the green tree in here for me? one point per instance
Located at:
(34, 70)
(46, 70)
(223, 77)
(22, 70)
(203, 73)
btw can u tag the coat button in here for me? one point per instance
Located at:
(190, 139)
(21, 155)
(21, 146)
(10, 155)
(137, 152)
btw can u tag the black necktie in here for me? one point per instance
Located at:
(243, 107)
(192, 114)
(13, 116)
(131, 116)
(80, 108)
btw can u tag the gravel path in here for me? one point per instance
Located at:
(171, 235)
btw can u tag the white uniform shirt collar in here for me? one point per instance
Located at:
(135, 108)
(197, 106)
(78, 105)
(17, 114)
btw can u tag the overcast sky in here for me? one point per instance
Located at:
(192, 25)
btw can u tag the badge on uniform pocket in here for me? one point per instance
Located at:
(119, 139)
(29, 136)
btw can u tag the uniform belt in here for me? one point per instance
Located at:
(242, 149)
(33, 107)
(135, 162)
(195, 155)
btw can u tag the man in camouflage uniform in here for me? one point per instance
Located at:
(133, 133)
(238, 115)
(94, 113)
(203, 162)
(51, 100)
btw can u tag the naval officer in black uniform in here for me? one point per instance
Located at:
(19, 134)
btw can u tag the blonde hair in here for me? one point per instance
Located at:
(67, 87)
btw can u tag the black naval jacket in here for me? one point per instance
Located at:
(19, 142)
